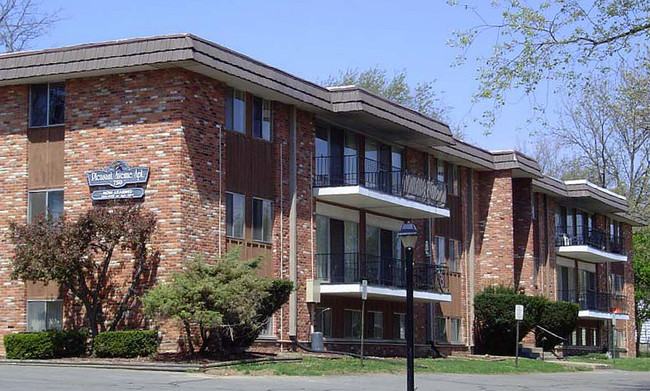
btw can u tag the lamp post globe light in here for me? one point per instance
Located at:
(408, 234)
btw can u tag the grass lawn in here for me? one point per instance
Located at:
(624, 364)
(311, 366)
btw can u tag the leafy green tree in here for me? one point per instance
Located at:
(21, 22)
(423, 97)
(641, 280)
(556, 40)
(222, 305)
(78, 255)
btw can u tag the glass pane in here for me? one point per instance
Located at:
(37, 204)
(322, 152)
(57, 104)
(257, 117)
(322, 246)
(55, 204)
(36, 316)
(257, 220)
(372, 240)
(38, 105)
(229, 214)
(350, 161)
(352, 324)
(267, 120)
(267, 221)
(54, 315)
(235, 215)
(440, 251)
(239, 111)
(351, 232)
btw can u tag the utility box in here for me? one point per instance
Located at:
(313, 290)
(317, 341)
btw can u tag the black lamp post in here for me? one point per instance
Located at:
(409, 234)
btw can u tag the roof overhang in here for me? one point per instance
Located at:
(599, 315)
(350, 104)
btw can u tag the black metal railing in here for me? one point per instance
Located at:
(594, 300)
(593, 238)
(352, 268)
(352, 170)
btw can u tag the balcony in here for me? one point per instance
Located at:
(590, 245)
(341, 274)
(367, 184)
(596, 305)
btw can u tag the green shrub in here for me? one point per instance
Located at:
(136, 343)
(560, 318)
(45, 345)
(496, 324)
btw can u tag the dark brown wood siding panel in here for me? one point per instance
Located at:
(251, 251)
(46, 158)
(40, 291)
(250, 165)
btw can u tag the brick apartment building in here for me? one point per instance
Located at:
(315, 180)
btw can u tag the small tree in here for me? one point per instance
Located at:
(77, 255)
(641, 280)
(222, 306)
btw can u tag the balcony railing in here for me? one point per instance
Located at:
(590, 237)
(352, 268)
(594, 300)
(333, 171)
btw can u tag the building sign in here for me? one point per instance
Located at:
(117, 175)
(117, 194)
(112, 181)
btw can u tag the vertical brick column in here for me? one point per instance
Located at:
(13, 203)
(523, 237)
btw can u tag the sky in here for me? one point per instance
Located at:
(313, 40)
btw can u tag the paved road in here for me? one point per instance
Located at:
(86, 379)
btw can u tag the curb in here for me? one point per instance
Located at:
(582, 364)
(142, 366)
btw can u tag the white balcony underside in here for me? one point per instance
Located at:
(382, 293)
(375, 201)
(592, 314)
(589, 254)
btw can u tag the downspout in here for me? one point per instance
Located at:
(471, 260)
(220, 187)
(293, 299)
(281, 162)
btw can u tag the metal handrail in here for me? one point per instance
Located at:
(591, 237)
(353, 170)
(594, 300)
(353, 267)
(550, 332)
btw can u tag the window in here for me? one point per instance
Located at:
(441, 330)
(399, 324)
(262, 220)
(594, 337)
(323, 321)
(453, 180)
(236, 111)
(46, 104)
(48, 203)
(268, 330)
(533, 205)
(620, 339)
(583, 336)
(573, 340)
(455, 330)
(235, 212)
(455, 251)
(440, 251)
(351, 324)
(262, 118)
(44, 315)
(617, 283)
(375, 325)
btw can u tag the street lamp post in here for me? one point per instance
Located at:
(409, 234)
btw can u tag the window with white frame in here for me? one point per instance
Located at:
(46, 104)
(46, 203)
(455, 330)
(44, 315)
(441, 258)
(268, 330)
(375, 325)
(455, 252)
(399, 325)
(236, 110)
(262, 220)
(620, 339)
(262, 118)
(235, 214)
(441, 330)
(594, 337)
(351, 324)
(323, 321)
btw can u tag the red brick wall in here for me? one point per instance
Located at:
(523, 237)
(494, 237)
(13, 203)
